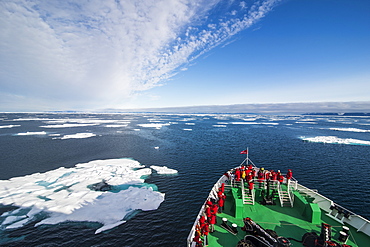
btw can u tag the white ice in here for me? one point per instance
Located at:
(268, 123)
(335, 140)
(82, 121)
(164, 170)
(32, 133)
(154, 125)
(116, 125)
(78, 136)
(9, 126)
(63, 194)
(219, 125)
(306, 122)
(244, 123)
(75, 122)
(350, 129)
(67, 125)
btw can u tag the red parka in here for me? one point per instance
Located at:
(250, 184)
(213, 220)
(289, 175)
(237, 174)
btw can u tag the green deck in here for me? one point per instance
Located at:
(286, 221)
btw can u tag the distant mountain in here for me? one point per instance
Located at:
(357, 114)
(359, 107)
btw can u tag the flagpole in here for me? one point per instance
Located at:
(247, 155)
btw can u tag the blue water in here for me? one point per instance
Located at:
(200, 147)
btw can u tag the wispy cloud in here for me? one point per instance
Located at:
(88, 53)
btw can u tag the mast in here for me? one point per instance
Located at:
(247, 155)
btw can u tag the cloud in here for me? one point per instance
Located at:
(77, 54)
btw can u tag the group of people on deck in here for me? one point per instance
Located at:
(208, 218)
(248, 174)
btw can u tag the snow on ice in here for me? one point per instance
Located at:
(350, 129)
(65, 194)
(164, 170)
(335, 140)
(32, 133)
(154, 125)
(78, 136)
(9, 126)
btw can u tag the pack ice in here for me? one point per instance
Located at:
(66, 194)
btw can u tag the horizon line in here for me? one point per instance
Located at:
(250, 108)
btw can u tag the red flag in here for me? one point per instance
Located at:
(244, 151)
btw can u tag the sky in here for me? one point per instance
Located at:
(118, 54)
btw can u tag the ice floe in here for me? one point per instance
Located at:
(164, 170)
(116, 125)
(77, 136)
(305, 122)
(83, 121)
(9, 126)
(65, 194)
(67, 125)
(75, 122)
(335, 140)
(243, 123)
(32, 133)
(350, 129)
(154, 125)
(267, 123)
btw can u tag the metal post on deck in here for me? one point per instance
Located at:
(247, 155)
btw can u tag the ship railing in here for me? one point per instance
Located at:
(212, 195)
(253, 195)
(244, 195)
(293, 183)
(280, 195)
(243, 191)
(336, 211)
(290, 192)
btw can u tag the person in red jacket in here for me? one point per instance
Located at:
(212, 221)
(267, 175)
(207, 211)
(254, 173)
(289, 176)
(202, 220)
(247, 173)
(261, 177)
(250, 186)
(237, 174)
(280, 177)
(221, 203)
(197, 240)
(222, 188)
(199, 231)
(205, 231)
(249, 176)
(214, 209)
(273, 175)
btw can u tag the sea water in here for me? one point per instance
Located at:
(161, 168)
